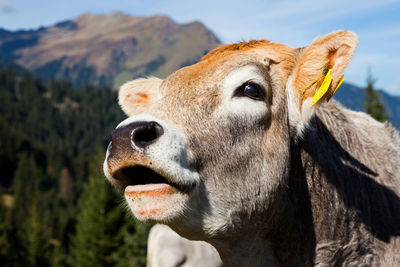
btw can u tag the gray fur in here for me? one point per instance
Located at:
(268, 197)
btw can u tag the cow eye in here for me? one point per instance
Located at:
(251, 90)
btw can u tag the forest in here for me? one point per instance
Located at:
(56, 208)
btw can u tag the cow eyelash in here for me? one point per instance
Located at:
(251, 90)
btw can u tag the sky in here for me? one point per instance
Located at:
(294, 23)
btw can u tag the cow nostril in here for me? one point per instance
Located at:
(146, 134)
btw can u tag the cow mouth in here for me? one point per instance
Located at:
(143, 178)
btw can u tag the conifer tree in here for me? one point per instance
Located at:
(25, 187)
(29, 226)
(87, 245)
(5, 247)
(134, 236)
(36, 237)
(372, 102)
(103, 231)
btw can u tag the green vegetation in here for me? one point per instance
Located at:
(56, 208)
(372, 103)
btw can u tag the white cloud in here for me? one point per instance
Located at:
(5, 6)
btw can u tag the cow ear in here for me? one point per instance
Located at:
(330, 53)
(136, 96)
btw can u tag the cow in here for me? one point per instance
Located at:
(165, 248)
(245, 151)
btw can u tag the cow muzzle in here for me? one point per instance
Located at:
(147, 158)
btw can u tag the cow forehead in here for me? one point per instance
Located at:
(272, 50)
(200, 78)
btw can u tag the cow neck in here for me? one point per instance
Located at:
(294, 240)
(250, 250)
(278, 246)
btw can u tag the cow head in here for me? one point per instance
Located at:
(207, 150)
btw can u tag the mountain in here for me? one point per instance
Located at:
(9, 64)
(352, 97)
(107, 50)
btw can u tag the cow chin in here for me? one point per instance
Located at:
(159, 203)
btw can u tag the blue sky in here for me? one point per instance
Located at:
(295, 23)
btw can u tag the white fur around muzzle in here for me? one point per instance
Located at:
(168, 154)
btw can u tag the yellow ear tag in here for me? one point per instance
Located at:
(323, 89)
(337, 87)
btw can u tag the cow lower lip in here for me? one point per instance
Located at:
(147, 188)
(154, 202)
